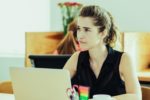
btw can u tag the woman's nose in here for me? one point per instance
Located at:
(80, 35)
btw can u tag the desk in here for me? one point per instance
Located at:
(144, 76)
(4, 96)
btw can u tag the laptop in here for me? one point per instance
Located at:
(48, 61)
(40, 83)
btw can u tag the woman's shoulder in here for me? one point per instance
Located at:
(71, 64)
(126, 56)
(76, 54)
(73, 59)
(126, 61)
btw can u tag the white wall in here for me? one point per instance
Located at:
(130, 15)
(16, 18)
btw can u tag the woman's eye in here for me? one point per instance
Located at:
(87, 30)
(78, 29)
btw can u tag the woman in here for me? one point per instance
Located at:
(98, 66)
(69, 44)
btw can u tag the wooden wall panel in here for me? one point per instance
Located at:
(41, 43)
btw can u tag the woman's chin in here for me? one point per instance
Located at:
(83, 49)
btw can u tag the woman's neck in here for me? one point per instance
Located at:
(98, 52)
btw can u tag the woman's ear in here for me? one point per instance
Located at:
(103, 34)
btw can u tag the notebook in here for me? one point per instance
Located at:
(49, 61)
(40, 83)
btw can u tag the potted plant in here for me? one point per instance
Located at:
(69, 11)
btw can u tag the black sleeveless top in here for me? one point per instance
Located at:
(108, 81)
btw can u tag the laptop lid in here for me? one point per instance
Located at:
(48, 61)
(40, 84)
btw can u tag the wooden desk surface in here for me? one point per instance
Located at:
(144, 76)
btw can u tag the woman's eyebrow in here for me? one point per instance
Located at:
(86, 27)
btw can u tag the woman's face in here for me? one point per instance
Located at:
(87, 33)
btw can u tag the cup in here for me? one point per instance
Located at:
(83, 92)
(102, 97)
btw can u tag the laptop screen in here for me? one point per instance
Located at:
(40, 83)
(49, 61)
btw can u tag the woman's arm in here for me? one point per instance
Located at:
(133, 89)
(71, 64)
